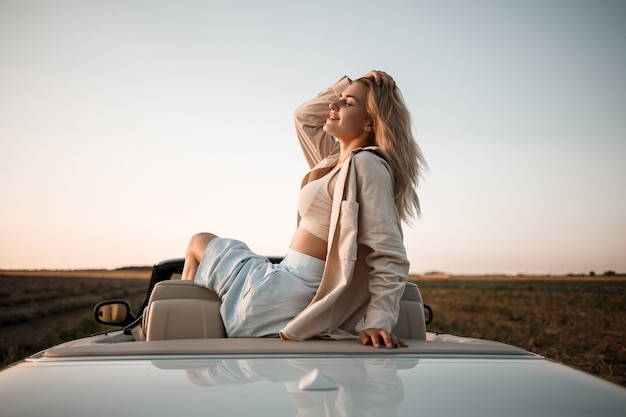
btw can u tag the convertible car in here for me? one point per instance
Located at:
(175, 359)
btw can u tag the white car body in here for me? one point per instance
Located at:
(440, 376)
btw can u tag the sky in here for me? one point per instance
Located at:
(126, 126)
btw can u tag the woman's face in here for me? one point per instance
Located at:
(348, 118)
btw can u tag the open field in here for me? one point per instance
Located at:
(579, 321)
(42, 308)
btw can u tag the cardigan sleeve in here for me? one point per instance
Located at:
(310, 118)
(380, 232)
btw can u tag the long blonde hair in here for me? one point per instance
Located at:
(393, 134)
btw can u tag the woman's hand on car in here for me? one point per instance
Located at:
(378, 337)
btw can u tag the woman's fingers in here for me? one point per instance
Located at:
(374, 337)
(381, 77)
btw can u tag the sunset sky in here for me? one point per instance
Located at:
(126, 126)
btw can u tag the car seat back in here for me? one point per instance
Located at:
(182, 310)
(411, 319)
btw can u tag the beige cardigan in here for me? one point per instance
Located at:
(366, 263)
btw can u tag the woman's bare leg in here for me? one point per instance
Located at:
(195, 250)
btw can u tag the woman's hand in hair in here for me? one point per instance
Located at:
(381, 78)
(378, 337)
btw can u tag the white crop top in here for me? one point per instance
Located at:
(315, 204)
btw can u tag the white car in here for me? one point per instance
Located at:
(174, 360)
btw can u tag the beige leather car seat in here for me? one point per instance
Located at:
(182, 310)
(411, 320)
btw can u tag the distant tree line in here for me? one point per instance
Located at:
(608, 273)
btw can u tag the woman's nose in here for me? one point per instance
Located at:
(334, 105)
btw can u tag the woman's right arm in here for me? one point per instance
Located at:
(310, 118)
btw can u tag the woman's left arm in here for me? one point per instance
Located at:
(380, 232)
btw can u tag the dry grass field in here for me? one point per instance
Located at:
(42, 308)
(579, 321)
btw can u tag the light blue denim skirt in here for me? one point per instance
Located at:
(258, 297)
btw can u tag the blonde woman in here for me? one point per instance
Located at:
(345, 268)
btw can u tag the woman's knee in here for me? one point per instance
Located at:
(198, 244)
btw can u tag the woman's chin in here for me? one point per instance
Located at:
(328, 128)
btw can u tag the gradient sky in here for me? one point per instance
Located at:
(126, 126)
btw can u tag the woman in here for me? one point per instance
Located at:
(346, 266)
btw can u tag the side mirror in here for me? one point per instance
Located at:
(113, 313)
(428, 313)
